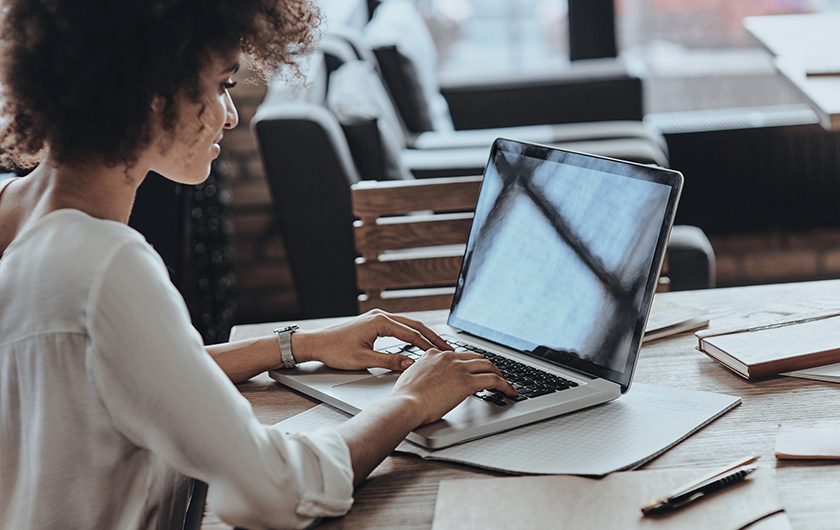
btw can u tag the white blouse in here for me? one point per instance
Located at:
(108, 400)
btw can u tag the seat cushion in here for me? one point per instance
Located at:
(407, 57)
(360, 102)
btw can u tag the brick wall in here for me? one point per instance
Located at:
(264, 290)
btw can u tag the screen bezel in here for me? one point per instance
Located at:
(673, 179)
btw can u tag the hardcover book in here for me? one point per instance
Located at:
(782, 346)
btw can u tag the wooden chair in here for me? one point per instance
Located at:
(411, 235)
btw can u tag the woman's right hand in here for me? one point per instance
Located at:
(432, 386)
(440, 380)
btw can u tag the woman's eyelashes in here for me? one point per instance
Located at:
(227, 85)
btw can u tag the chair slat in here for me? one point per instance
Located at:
(413, 303)
(404, 274)
(371, 239)
(402, 196)
(415, 252)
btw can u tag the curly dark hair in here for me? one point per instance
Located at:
(80, 77)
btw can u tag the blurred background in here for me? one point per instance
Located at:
(762, 177)
(696, 53)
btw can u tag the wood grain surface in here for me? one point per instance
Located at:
(413, 231)
(402, 491)
(402, 234)
(395, 197)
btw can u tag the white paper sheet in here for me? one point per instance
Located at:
(619, 435)
(829, 373)
(817, 442)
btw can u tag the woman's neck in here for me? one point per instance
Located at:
(99, 190)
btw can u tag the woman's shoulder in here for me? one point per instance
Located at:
(55, 266)
(78, 229)
(75, 241)
(88, 223)
(102, 240)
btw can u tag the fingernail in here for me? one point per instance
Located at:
(406, 363)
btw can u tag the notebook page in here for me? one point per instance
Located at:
(621, 434)
(322, 415)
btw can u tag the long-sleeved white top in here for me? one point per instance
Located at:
(108, 400)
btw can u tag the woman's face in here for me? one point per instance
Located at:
(186, 156)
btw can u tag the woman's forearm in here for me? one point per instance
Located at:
(373, 433)
(243, 359)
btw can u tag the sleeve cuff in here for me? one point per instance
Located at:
(336, 497)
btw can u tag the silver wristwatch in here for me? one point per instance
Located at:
(284, 335)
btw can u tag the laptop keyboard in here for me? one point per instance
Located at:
(530, 382)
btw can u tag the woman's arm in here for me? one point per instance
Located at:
(347, 346)
(427, 390)
(243, 359)
(424, 393)
(163, 393)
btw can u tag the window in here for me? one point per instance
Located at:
(700, 23)
(695, 53)
(499, 35)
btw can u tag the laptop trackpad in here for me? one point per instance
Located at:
(363, 392)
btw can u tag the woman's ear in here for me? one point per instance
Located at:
(158, 104)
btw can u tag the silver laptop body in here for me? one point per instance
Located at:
(559, 273)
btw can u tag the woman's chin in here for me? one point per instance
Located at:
(198, 178)
(188, 178)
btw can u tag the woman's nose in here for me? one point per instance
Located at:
(232, 116)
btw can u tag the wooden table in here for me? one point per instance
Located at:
(800, 42)
(401, 493)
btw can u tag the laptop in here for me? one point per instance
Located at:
(557, 281)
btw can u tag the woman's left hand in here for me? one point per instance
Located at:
(349, 346)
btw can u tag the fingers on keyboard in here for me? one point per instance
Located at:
(530, 382)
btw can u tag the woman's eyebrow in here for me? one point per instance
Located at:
(232, 68)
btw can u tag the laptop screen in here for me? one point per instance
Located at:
(563, 256)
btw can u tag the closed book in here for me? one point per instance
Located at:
(770, 349)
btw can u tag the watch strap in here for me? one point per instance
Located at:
(284, 336)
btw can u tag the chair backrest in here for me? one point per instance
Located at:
(405, 51)
(411, 236)
(309, 164)
(309, 169)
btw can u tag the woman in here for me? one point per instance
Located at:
(109, 400)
